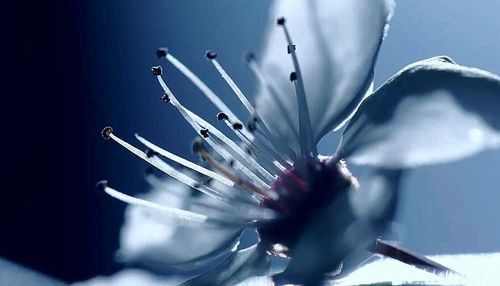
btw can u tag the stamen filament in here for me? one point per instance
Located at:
(198, 147)
(198, 123)
(273, 91)
(267, 157)
(180, 215)
(166, 168)
(305, 129)
(234, 87)
(185, 162)
(238, 207)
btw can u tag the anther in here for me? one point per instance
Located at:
(250, 57)
(165, 97)
(238, 126)
(150, 153)
(106, 132)
(161, 52)
(293, 76)
(156, 70)
(290, 48)
(197, 146)
(280, 21)
(101, 185)
(222, 116)
(204, 132)
(210, 55)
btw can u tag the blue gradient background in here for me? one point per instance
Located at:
(450, 208)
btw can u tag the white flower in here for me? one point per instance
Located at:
(304, 205)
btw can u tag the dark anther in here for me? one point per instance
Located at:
(290, 48)
(222, 116)
(197, 145)
(106, 132)
(210, 55)
(150, 153)
(196, 185)
(161, 52)
(204, 132)
(231, 162)
(249, 151)
(238, 126)
(101, 185)
(165, 97)
(156, 70)
(250, 57)
(293, 76)
(280, 21)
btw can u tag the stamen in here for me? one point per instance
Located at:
(239, 207)
(202, 87)
(264, 155)
(183, 216)
(185, 162)
(166, 168)
(305, 129)
(234, 87)
(201, 126)
(273, 92)
(200, 149)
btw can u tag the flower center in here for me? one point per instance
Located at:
(304, 190)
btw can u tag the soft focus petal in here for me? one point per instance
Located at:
(478, 269)
(433, 111)
(150, 241)
(131, 277)
(15, 274)
(241, 265)
(377, 197)
(337, 44)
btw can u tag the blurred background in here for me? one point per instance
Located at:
(69, 68)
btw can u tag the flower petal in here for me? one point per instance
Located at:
(15, 274)
(131, 277)
(337, 45)
(479, 269)
(149, 241)
(242, 264)
(342, 228)
(432, 111)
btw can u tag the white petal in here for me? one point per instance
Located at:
(15, 274)
(478, 269)
(242, 264)
(337, 44)
(131, 277)
(147, 239)
(433, 111)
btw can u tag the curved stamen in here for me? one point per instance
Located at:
(305, 129)
(183, 216)
(200, 149)
(243, 99)
(198, 124)
(273, 92)
(238, 208)
(267, 157)
(164, 167)
(185, 162)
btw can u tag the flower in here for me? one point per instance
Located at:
(305, 206)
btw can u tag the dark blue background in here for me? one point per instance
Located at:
(71, 67)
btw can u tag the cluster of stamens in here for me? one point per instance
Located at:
(253, 168)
